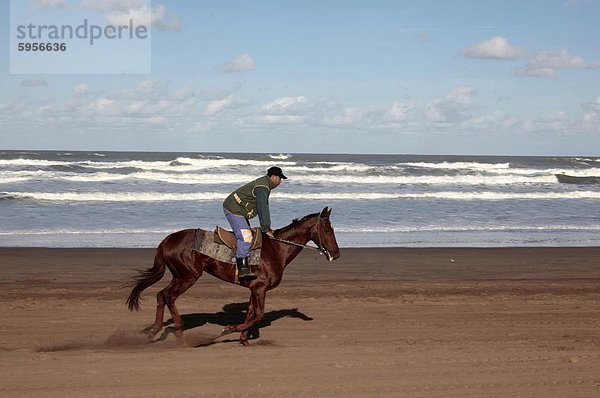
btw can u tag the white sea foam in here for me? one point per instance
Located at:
(451, 195)
(180, 163)
(62, 231)
(346, 167)
(116, 196)
(442, 228)
(343, 229)
(458, 165)
(281, 156)
(92, 177)
(227, 162)
(346, 196)
(31, 162)
(594, 171)
(183, 177)
(185, 170)
(10, 180)
(190, 178)
(426, 180)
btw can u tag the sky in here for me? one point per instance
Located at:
(392, 77)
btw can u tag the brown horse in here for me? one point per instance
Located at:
(187, 266)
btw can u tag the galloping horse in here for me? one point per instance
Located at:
(187, 266)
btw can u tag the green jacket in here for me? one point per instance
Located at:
(252, 199)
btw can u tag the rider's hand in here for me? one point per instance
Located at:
(270, 233)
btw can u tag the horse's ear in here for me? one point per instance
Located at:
(325, 212)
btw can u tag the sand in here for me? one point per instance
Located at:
(377, 322)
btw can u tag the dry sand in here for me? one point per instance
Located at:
(377, 322)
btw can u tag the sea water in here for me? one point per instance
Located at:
(134, 199)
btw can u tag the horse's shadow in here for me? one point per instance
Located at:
(232, 314)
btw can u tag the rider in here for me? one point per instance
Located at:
(245, 203)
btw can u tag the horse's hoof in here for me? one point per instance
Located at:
(149, 332)
(226, 331)
(245, 343)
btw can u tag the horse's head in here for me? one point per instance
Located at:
(322, 234)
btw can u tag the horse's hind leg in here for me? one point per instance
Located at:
(171, 293)
(160, 312)
(175, 288)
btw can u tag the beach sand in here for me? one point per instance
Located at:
(378, 322)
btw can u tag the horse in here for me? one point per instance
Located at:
(187, 265)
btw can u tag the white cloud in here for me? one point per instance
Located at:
(241, 63)
(343, 116)
(288, 110)
(526, 71)
(156, 120)
(215, 107)
(200, 127)
(40, 5)
(81, 89)
(495, 121)
(230, 102)
(556, 121)
(284, 105)
(454, 107)
(149, 86)
(545, 64)
(397, 112)
(150, 101)
(212, 94)
(13, 107)
(557, 59)
(120, 12)
(114, 5)
(101, 106)
(154, 107)
(143, 16)
(281, 119)
(495, 48)
(573, 3)
(165, 20)
(591, 117)
(34, 83)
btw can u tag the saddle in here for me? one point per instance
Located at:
(227, 238)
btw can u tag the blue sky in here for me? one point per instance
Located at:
(424, 77)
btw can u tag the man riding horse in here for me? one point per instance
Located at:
(245, 203)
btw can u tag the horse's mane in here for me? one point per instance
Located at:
(296, 221)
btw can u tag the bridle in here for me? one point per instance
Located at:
(319, 247)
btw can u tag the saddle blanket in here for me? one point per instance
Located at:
(204, 243)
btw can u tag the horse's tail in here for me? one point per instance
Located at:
(145, 279)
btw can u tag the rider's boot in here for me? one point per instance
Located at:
(244, 272)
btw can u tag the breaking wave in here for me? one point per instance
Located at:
(346, 196)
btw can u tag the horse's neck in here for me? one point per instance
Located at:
(297, 234)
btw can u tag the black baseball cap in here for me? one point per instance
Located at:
(276, 171)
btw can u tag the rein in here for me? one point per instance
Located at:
(319, 247)
(289, 242)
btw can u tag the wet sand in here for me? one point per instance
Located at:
(377, 322)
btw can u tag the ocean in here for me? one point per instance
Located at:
(134, 199)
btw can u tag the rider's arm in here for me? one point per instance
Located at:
(262, 207)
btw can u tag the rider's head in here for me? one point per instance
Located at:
(275, 174)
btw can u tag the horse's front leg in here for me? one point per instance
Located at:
(234, 328)
(255, 314)
(257, 301)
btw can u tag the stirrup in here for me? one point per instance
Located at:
(244, 269)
